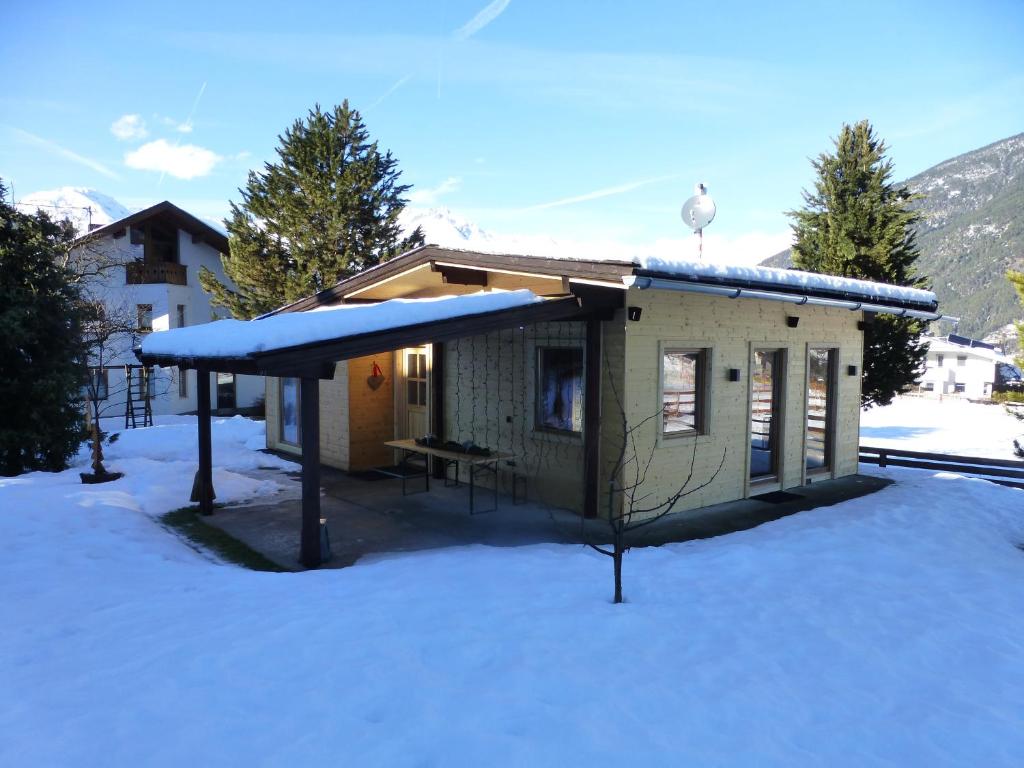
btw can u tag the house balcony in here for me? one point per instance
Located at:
(144, 272)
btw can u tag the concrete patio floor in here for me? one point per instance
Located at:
(373, 518)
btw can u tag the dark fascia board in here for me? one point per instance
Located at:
(317, 359)
(726, 282)
(421, 333)
(168, 210)
(610, 271)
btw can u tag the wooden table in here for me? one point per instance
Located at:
(474, 462)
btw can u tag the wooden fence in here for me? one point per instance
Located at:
(1001, 471)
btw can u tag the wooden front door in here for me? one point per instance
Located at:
(412, 417)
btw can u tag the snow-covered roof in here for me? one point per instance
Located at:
(789, 278)
(617, 268)
(243, 338)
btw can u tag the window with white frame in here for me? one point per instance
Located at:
(559, 402)
(683, 395)
(961, 361)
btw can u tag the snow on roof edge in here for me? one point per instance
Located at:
(243, 338)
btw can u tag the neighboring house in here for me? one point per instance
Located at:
(149, 278)
(957, 365)
(753, 370)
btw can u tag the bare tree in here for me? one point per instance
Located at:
(631, 506)
(112, 329)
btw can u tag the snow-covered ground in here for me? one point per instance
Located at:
(882, 631)
(950, 426)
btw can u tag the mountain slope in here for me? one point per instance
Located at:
(973, 231)
(83, 206)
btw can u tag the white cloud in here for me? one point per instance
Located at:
(180, 127)
(129, 128)
(184, 161)
(431, 195)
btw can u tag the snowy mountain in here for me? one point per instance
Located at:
(972, 233)
(83, 206)
(443, 227)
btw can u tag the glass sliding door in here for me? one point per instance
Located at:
(765, 413)
(821, 394)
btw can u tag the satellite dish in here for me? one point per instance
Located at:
(699, 210)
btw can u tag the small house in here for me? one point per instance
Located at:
(962, 367)
(146, 278)
(733, 381)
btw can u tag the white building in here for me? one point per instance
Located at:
(960, 366)
(151, 279)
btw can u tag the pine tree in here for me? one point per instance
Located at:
(327, 209)
(1017, 281)
(41, 362)
(859, 223)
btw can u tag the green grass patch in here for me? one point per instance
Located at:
(188, 523)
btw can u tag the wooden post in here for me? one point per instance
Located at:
(591, 416)
(309, 415)
(437, 396)
(204, 476)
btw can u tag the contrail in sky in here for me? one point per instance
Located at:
(484, 16)
(57, 149)
(599, 193)
(188, 122)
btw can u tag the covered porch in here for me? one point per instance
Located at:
(306, 346)
(373, 519)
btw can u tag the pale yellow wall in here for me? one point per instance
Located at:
(489, 391)
(333, 419)
(729, 328)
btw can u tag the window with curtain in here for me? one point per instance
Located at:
(560, 389)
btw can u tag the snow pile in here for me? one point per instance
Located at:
(884, 630)
(239, 338)
(951, 426)
(81, 205)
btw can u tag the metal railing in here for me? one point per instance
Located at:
(1001, 471)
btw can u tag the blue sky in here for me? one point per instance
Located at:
(586, 120)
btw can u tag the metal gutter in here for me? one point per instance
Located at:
(646, 283)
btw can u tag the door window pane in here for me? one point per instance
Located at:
(821, 385)
(682, 391)
(765, 407)
(560, 389)
(290, 411)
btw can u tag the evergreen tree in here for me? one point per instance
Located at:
(859, 223)
(327, 209)
(41, 364)
(1017, 281)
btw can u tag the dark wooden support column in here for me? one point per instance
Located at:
(202, 488)
(592, 416)
(437, 400)
(309, 414)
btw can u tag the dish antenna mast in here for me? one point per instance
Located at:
(698, 212)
